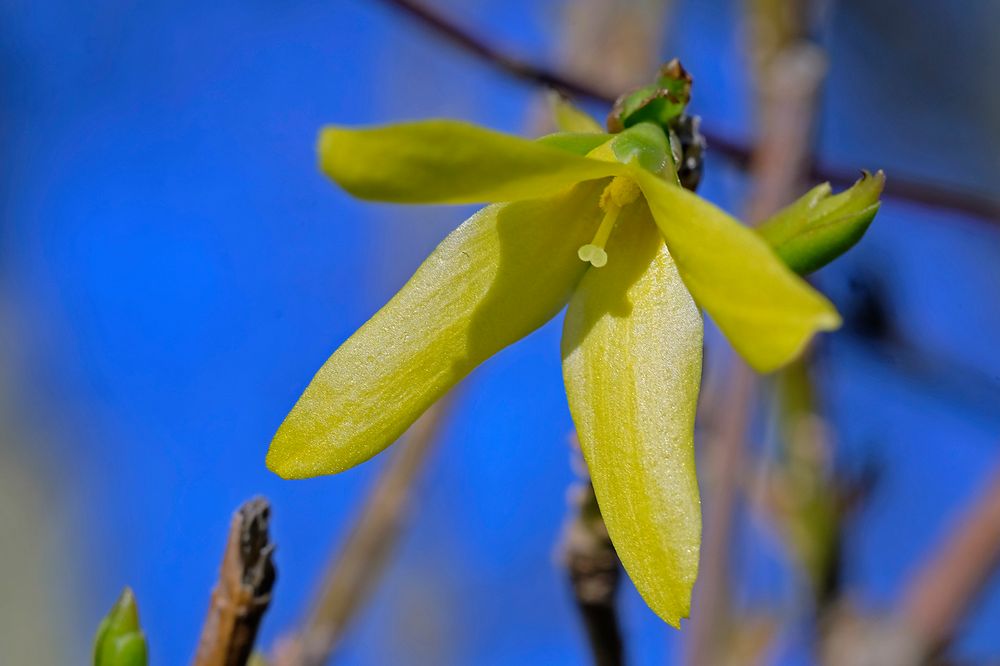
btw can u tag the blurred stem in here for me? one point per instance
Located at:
(944, 589)
(788, 88)
(935, 601)
(723, 460)
(352, 574)
(595, 574)
(616, 43)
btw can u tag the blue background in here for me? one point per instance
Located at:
(174, 269)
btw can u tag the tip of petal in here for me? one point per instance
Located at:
(285, 462)
(766, 361)
(277, 464)
(672, 607)
(829, 321)
(674, 611)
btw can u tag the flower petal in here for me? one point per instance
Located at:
(502, 274)
(578, 143)
(632, 348)
(767, 312)
(571, 118)
(443, 161)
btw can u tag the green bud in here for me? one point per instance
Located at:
(818, 227)
(660, 103)
(119, 640)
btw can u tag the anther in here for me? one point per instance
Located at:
(620, 193)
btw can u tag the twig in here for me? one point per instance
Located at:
(594, 572)
(911, 190)
(935, 601)
(941, 593)
(243, 592)
(352, 574)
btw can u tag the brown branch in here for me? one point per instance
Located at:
(243, 592)
(905, 189)
(352, 574)
(594, 572)
(935, 600)
(944, 589)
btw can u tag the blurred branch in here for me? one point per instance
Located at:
(617, 43)
(935, 601)
(788, 94)
(243, 592)
(914, 191)
(950, 582)
(724, 453)
(595, 574)
(788, 89)
(352, 574)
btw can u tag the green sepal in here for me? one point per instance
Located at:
(119, 640)
(818, 227)
(661, 102)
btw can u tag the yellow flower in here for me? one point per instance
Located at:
(592, 220)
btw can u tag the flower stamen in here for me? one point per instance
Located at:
(619, 193)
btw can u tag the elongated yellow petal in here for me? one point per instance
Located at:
(574, 142)
(632, 365)
(767, 312)
(499, 276)
(571, 118)
(444, 161)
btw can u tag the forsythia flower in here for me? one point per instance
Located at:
(596, 221)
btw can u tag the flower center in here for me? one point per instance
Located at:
(618, 194)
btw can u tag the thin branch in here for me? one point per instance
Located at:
(935, 600)
(353, 573)
(946, 587)
(725, 458)
(789, 88)
(594, 572)
(243, 592)
(905, 189)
